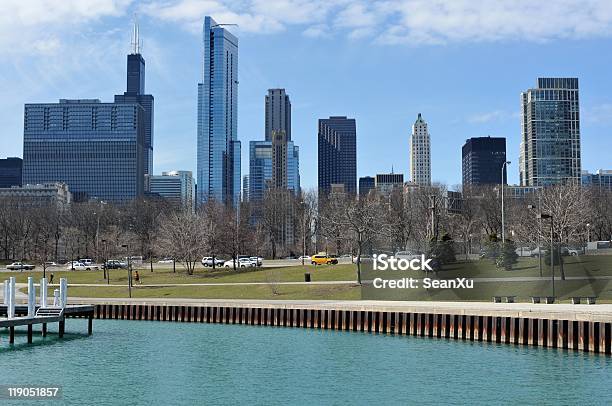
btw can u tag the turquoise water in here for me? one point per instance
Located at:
(153, 363)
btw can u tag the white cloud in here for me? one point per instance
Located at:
(25, 26)
(601, 113)
(414, 22)
(490, 116)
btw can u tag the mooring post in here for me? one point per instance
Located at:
(44, 329)
(56, 298)
(61, 328)
(43, 293)
(63, 292)
(31, 298)
(12, 335)
(10, 311)
(29, 334)
(90, 324)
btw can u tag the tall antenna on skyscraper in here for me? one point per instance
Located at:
(136, 44)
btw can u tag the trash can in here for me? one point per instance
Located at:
(307, 277)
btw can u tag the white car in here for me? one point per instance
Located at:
(86, 261)
(208, 262)
(79, 266)
(304, 257)
(409, 255)
(165, 261)
(257, 261)
(242, 263)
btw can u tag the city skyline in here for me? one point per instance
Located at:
(485, 101)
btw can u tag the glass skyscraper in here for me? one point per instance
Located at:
(482, 161)
(550, 139)
(218, 148)
(337, 154)
(260, 168)
(96, 148)
(10, 172)
(175, 186)
(278, 113)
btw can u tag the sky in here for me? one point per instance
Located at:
(461, 63)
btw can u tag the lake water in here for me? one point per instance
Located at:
(156, 363)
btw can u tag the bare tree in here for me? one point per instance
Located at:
(183, 236)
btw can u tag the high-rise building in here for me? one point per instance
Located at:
(366, 183)
(261, 168)
(278, 113)
(39, 195)
(10, 172)
(177, 187)
(601, 180)
(218, 148)
(135, 93)
(483, 160)
(279, 160)
(337, 139)
(96, 148)
(245, 188)
(420, 153)
(550, 136)
(386, 183)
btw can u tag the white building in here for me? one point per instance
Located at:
(39, 195)
(176, 186)
(420, 153)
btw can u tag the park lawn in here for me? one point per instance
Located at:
(343, 272)
(269, 292)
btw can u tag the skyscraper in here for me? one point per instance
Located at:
(386, 183)
(337, 139)
(136, 94)
(175, 186)
(550, 136)
(218, 148)
(97, 149)
(482, 161)
(261, 168)
(10, 172)
(366, 183)
(278, 113)
(420, 153)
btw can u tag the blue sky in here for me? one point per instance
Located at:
(462, 64)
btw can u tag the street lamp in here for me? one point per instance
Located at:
(303, 204)
(552, 252)
(588, 226)
(504, 166)
(129, 265)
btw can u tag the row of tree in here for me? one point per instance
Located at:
(418, 219)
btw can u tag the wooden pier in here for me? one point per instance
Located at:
(43, 317)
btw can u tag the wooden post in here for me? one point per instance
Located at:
(61, 328)
(12, 335)
(90, 324)
(29, 334)
(44, 329)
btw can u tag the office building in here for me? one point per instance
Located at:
(135, 93)
(261, 169)
(337, 147)
(601, 180)
(366, 183)
(550, 133)
(218, 148)
(245, 188)
(10, 172)
(483, 161)
(278, 113)
(96, 148)
(39, 195)
(177, 187)
(385, 183)
(420, 153)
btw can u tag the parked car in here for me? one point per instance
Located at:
(20, 266)
(408, 255)
(115, 264)
(165, 261)
(242, 263)
(321, 259)
(81, 267)
(208, 262)
(529, 252)
(258, 261)
(304, 257)
(50, 264)
(572, 251)
(86, 261)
